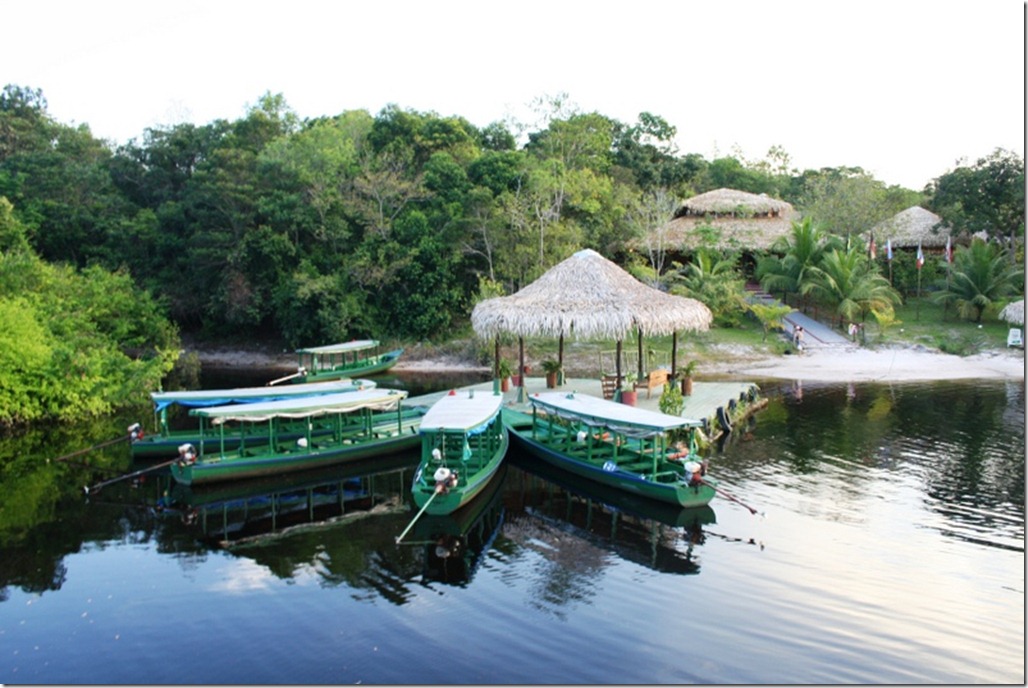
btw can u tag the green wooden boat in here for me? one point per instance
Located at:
(165, 440)
(359, 358)
(616, 445)
(463, 442)
(615, 500)
(365, 423)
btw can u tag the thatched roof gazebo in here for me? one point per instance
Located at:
(588, 296)
(729, 219)
(1013, 313)
(911, 228)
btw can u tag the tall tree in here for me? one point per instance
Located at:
(985, 197)
(646, 217)
(849, 203)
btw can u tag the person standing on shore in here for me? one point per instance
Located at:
(797, 337)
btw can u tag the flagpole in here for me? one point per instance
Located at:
(917, 317)
(919, 261)
(949, 275)
(888, 257)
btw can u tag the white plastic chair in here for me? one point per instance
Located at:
(1014, 338)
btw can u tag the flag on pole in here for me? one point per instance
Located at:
(949, 251)
(888, 249)
(920, 256)
(873, 248)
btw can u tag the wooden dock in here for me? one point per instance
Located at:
(701, 405)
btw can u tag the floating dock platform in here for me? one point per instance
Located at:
(737, 400)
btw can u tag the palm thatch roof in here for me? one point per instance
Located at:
(912, 227)
(733, 202)
(588, 296)
(729, 219)
(1013, 313)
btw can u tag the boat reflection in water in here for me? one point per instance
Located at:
(657, 535)
(455, 543)
(246, 510)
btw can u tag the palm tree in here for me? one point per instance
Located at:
(715, 280)
(846, 281)
(979, 276)
(801, 252)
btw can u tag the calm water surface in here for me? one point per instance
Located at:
(888, 546)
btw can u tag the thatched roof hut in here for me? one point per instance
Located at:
(1013, 313)
(591, 297)
(588, 296)
(729, 219)
(911, 228)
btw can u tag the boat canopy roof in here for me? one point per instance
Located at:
(628, 420)
(198, 398)
(345, 347)
(306, 407)
(462, 410)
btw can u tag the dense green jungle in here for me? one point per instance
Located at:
(389, 225)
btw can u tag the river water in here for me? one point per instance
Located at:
(887, 546)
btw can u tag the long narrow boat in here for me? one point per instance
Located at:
(463, 442)
(165, 441)
(348, 359)
(365, 424)
(614, 444)
(614, 500)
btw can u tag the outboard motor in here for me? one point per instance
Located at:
(186, 455)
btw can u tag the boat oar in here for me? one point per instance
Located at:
(287, 377)
(410, 525)
(134, 431)
(128, 475)
(730, 496)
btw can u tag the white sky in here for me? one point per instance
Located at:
(902, 88)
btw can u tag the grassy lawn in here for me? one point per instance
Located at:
(926, 323)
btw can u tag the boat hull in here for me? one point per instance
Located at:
(680, 493)
(246, 467)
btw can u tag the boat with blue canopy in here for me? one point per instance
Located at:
(364, 424)
(165, 440)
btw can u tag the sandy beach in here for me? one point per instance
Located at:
(854, 364)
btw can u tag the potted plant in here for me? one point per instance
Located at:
(687, 373)
(628, 394)
(504, 372)
(552, 369)
(519, 379)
